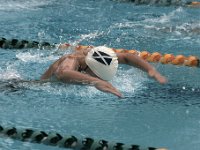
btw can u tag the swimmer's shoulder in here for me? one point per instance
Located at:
(71, 55)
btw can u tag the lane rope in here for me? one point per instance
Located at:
(155, 57)
(70, 141)
(20, 44)
(194, 4)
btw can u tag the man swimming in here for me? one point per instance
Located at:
(96, 66)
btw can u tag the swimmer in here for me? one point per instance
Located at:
(96, 66)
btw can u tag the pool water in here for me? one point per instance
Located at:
(149, 114)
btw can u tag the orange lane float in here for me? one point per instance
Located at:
(179, 60)
(167, 58)
(155, 57)
(192, 61)
(144, 55)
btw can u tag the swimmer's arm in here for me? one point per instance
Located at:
(67, 72)
(75, 77)
(51, 70)
(48, 73)
(136, 61)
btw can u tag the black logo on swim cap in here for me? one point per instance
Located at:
(102, 57)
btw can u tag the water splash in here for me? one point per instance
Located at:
(87, 37)
(38, 57)
(9, 73)
(23, 5)
(166, 18)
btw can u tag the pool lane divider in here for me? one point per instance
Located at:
(70, 142)
(155, 57)
(20, 44)
(194, 4)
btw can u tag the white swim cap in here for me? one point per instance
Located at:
(103, 62)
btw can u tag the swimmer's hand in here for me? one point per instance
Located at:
(157, 76)
(107, 87)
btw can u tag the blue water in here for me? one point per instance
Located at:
(149, 115)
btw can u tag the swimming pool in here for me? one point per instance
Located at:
(150, 114)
